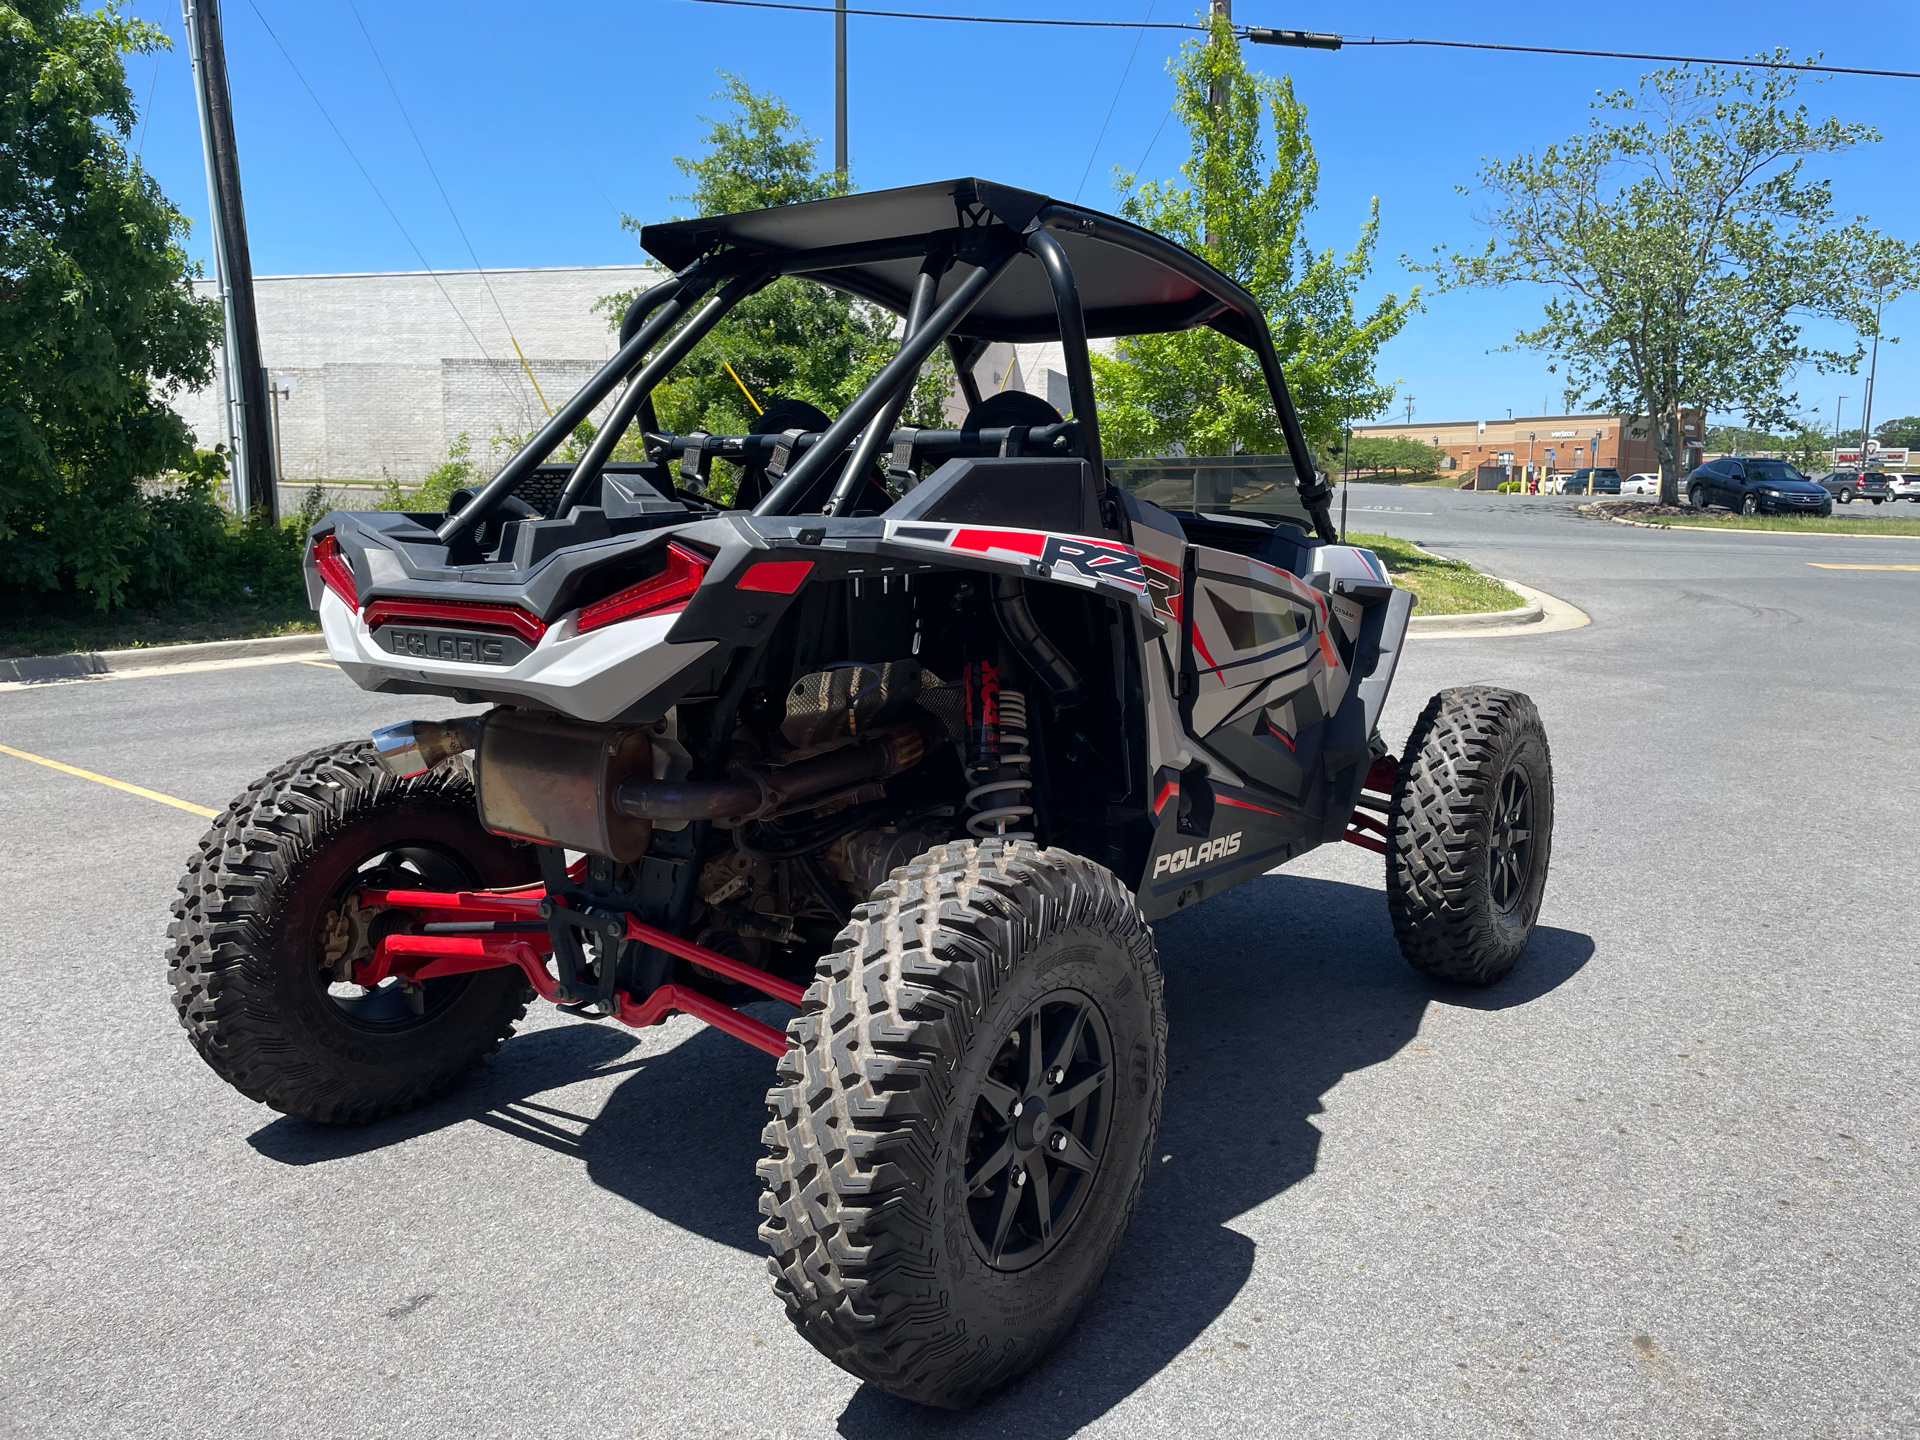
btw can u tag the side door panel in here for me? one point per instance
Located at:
(1268, 656)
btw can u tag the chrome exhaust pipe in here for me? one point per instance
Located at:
(413, 747)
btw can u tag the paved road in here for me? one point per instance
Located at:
(1660, 1183)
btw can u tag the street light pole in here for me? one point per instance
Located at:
(249, 427)
(1873, 371)
(1838, 402)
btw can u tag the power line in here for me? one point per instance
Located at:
(1153, 142)
(378, 194)
(447, 199)
(1315, 40)
(545, 114)
(1095, 154)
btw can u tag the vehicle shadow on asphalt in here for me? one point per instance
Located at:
(1275, 992)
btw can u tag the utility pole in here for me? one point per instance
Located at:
(1838, 402)
(1409, 409)
(840, 89)
(1873, 371)
(1216, 108)
(249, 426)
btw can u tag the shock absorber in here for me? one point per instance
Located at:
(998, 764)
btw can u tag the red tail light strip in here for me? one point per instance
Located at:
(671, 589)
(472, 613)
(335, 571)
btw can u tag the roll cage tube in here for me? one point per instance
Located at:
(1250, 331)
(1073, 346)
(880, 429)
(913, 353)
(672, 298)
(640, 388)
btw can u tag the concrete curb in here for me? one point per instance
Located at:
(147, 660)
(1790, 534)
(1543, 614)
(1531, 613)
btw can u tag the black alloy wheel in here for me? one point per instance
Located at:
(1038, 1130)
(1512, 841)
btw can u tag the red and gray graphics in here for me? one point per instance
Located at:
(1270, 659)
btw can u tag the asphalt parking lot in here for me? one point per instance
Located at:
(1661, 1182)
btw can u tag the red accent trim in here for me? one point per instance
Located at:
(335, 571)
(1170, 788)
(671, 589)
(1021, 542)
(1201, 646)
(1381, 775)
(1365, 842)
(1274, 731)
(1326, 649)
(775, 577)
(470, 613)
(1248, 805)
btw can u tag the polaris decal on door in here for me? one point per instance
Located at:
(1174, 861)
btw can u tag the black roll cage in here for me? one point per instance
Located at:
(738, 271)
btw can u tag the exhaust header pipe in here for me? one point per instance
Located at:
(756, 793)
(414, 747)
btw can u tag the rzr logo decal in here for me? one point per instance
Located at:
(1163, 584)
(1092, 557)
(1174, 861)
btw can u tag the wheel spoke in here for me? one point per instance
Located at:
(1000, 1096)
(1009, 1204)
(986, 1168)
(1062, 1056)
(1072, 1096)
(1042, 1198)
(1032, 1044)
(1075, 1154)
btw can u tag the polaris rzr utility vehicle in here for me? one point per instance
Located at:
(917, 733)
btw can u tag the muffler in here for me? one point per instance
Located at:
(759, 792)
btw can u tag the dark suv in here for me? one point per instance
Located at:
(1847, 486)
(1756, 487)
(1593, 482)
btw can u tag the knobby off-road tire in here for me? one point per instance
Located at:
(900, 1084)
(1465, 872)
(263, 896)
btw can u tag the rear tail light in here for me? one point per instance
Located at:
(476, 613)
(671, 589)
(334, 569)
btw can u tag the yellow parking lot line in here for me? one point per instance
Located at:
(1819, 566)
(139, 790)
(323, 664)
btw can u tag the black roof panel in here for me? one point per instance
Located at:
(1131, 281)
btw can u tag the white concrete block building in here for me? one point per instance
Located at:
(377, 374)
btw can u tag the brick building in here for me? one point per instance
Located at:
(1546, 444)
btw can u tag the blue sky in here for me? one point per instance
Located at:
(544, 121)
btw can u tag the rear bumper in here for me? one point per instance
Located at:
(596, 676)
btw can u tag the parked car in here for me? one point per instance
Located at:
(1903, 487)
(1593, 481)
(1846, 486)
(1756, 487)
(1645, 483)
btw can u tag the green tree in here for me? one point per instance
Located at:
(97, 316)
(1394, 452)
(1247, 214)
(796, 339)
(1687, 246)
(1903, 433)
